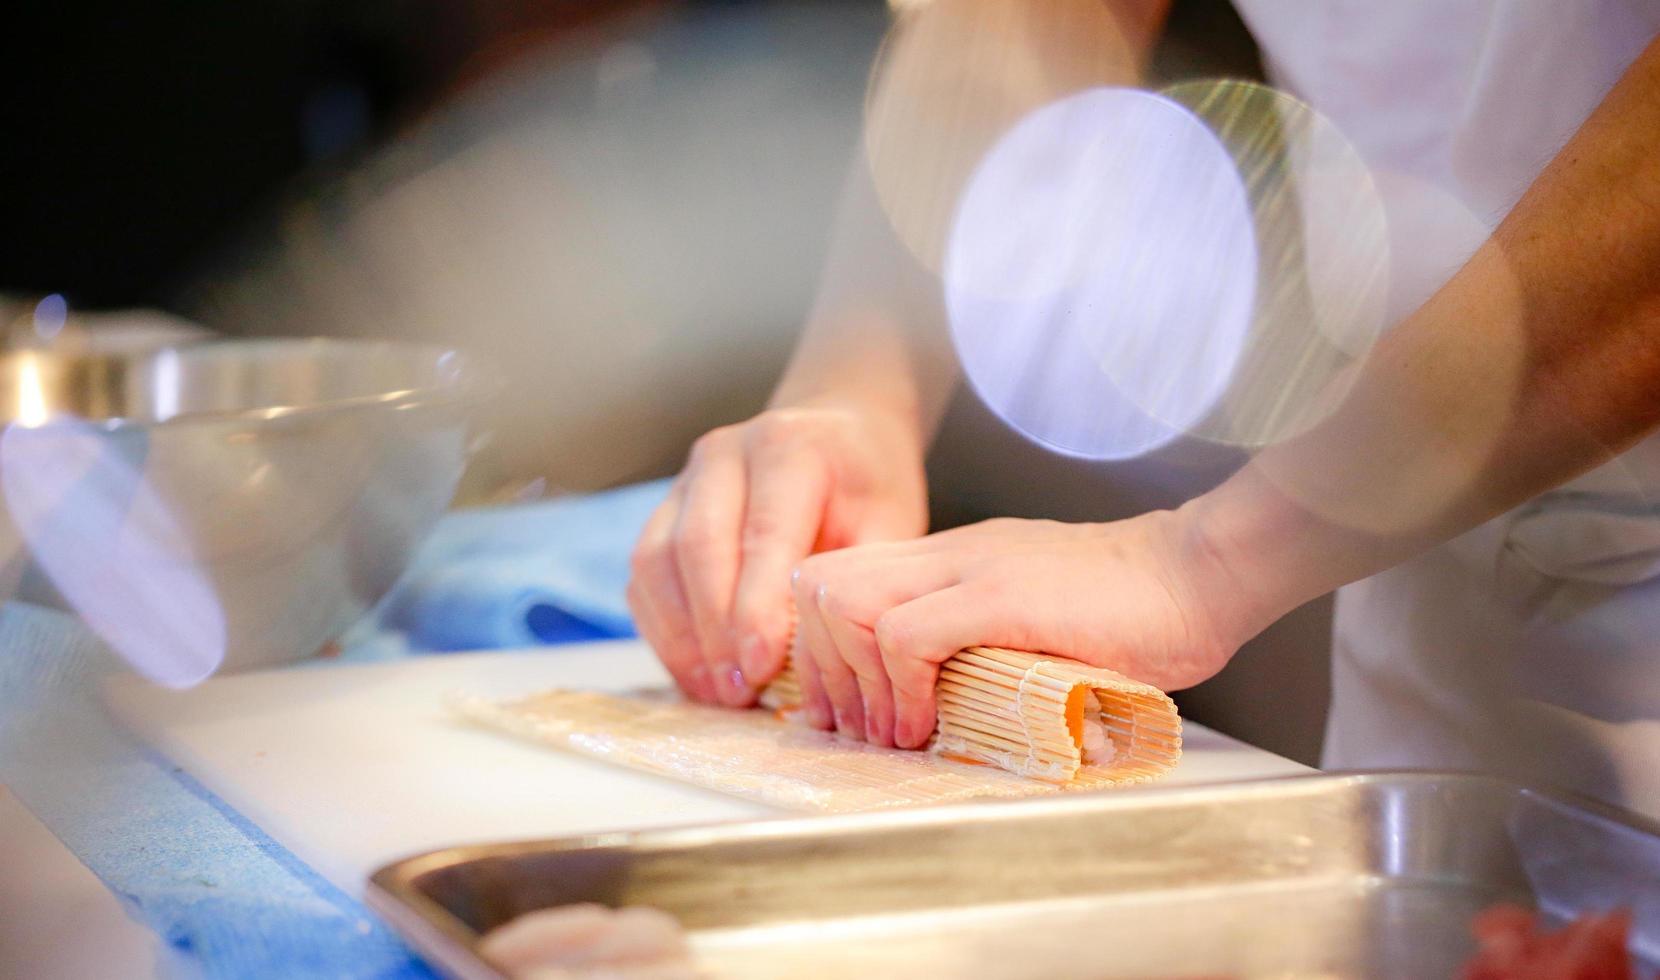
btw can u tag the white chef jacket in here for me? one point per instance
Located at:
(1531, 645)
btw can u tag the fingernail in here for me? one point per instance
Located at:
(752, 654)
(902, 734)
(841, 721)
(872, 735)
(818, 717)
(734, 689)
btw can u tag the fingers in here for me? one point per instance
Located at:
(814, 701)
(831, 697)
(705, 551)
(690, 673)
(836, 680)
(839, 597)
(659, 607)
(915, 638)
(788, 493)
(856, 645)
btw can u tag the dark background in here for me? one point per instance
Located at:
(141, 138)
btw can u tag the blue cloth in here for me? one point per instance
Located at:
(226, 899)
(521, 575)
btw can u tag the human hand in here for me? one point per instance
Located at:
(711, 573)
(1147, 597)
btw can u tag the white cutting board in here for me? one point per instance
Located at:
(351, 767)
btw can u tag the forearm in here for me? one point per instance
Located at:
(876, 338)
(1538, 361)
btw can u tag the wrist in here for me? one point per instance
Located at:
(1261, 554)
(896, 419)
(875, 363)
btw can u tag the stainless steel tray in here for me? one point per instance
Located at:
(1369, 875)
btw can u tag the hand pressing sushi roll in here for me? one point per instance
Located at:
(1043, 717)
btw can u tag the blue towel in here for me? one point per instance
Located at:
(516, 576)
(226, 899)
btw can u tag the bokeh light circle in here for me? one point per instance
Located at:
(1449, 440)
(81, 503)
(1323, 240)
(952, 77)
(1101, 273)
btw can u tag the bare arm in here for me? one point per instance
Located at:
(876, 338)
(1538, 361)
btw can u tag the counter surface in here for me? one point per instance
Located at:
(351, 767)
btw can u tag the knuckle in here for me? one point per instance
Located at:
(894, 636)
(989, 588)
(709, 443)
(643, 561)
(836, 419)
(761, 528)
(695, 544)
(792, 418)
(776, 431)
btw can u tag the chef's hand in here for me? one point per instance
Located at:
(1148, 597)
(711, 573)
